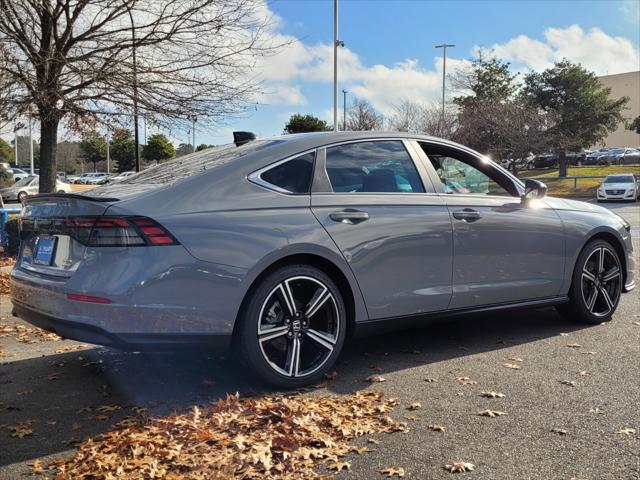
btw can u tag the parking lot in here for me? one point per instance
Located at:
(571, 393)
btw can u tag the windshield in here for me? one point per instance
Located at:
(617, 150)
(23, 182)
(620, 179)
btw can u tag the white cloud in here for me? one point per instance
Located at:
(594, 49)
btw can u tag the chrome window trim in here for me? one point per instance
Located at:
(254, 177)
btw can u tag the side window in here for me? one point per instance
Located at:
(293, 176)
(460, 176)
(372, 167)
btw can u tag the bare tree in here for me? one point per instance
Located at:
(406, 117)
(361, 115)
(84, 62)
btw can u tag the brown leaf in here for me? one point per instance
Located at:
(569, 383)
(392, 471)
(574, 345)
(436, 428)
(627, 431)
(339, 466)
(492, 394)
(430, 380)
(375, 379)
(513, 366)
(516, 359)
(460, 467)
(466, 381)
(559, 431)
(584, 373)
(596, 410)
(491, 413)
(37, 467)
(414, 406)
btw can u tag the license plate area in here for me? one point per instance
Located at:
(44, 250)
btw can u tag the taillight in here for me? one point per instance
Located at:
(113, 231)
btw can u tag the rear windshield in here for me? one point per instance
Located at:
(188, 165)
(620, 179)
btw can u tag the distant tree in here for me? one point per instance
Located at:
(158, 149)
(299, 123)
(203, 146)
(583, 112)
(6, 152)
(184, 149)
(406, 117)
(93, 148)
(68, 156)
(361, 115)
(123, 150)
(634, 125)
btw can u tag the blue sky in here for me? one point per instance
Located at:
(390, 55)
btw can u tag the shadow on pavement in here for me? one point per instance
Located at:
(96, 388)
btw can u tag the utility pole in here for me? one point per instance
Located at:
(444, 47)
(194, 119)
(108, 158)
(15, 143)
(30, 145)
(344, 110)
(336, 43)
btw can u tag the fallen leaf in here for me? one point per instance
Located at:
(584, 373)
(492, 394)
(516, 359)
(21, 429)
(410, 417)
(375, 379)
(430, 380)
(491, 413)
(374, 441)
(392, 471)
(563, 334)
(569, 383)
(436, 428)
(414, 406)
(339, 466)
(513, 366)
(596, 410)
(627, 431)
(460, 467)
(574, 345)
(589, 353)
(331, 375)
(37, 467)
(559, 431)
(466, 381)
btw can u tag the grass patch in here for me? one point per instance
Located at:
(585, 187)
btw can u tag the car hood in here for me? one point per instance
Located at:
(617, 185)
(9, 189)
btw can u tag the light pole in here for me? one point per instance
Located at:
(344, 110)
(336, 43)
(135, 86)
(194, 119)
(15, 143)
(107, 137)
(444, 47)
(30, 145)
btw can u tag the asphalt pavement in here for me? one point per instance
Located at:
(575, 387)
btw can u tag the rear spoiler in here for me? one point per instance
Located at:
(54, 196)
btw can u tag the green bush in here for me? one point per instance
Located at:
(13, 232)
(6, 179)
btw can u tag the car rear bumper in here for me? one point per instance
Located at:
(84, 332)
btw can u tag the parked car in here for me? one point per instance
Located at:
(545, 160)
(621, 186)
(121, 176)
(231, 243)
(595, 158)
(19, 174)
(578, 157)
(97, 178)
(621, 156)
(20, 190)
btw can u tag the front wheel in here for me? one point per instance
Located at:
(596, 284)
(22, 196)
(293, 326)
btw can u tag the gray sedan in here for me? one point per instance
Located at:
(284, 247)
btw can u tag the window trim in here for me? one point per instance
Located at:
(322, 176)
(255, 177)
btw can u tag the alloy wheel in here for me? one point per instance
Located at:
(601, 282)
(298, 326)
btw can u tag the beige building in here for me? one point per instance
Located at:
(624, 85)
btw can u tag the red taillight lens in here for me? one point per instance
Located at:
(79, 297)
(114, 231)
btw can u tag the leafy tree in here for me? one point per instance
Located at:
(6, 152)
(582, 111)
(299, 123)
(93, 148)
(123, 150)
(158, 149)
(634, 125)
(184, 149)
(203, 146)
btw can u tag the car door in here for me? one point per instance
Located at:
(505, 250)
(394, 231)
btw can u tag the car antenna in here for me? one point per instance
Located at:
(240, 138)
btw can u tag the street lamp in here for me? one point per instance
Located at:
(444, 47)
(344, 110)
(336, 43)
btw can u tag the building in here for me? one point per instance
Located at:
(624, 85)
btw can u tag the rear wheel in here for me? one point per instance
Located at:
(596, 284)
(293, 327)
(22, 196)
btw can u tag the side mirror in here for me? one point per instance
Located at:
(533, 189)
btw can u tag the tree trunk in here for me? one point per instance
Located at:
(562, 164)
(48, 145)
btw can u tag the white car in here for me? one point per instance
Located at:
(19, 174)
(96, 178)
(621, 186)
(122, 176)
(29, 186)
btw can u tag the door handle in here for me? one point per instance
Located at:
(467, 214)
(350, 217)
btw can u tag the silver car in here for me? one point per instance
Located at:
(27, 186)
(284, 247)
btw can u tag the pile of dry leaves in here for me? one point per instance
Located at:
(6, 261)
(4, 283)
(25, 334)
(282, 437)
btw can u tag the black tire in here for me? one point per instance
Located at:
(22, 196)
(317, 337)
(61, 191)
(606, 278)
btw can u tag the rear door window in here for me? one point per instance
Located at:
(372, 167)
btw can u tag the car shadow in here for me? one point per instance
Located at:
(73, 395)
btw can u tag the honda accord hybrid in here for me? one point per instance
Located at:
(283, 247)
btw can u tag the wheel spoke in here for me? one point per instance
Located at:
(321, 338)
(271, 333)
(607, 299)
(611, 274)
(293, 358)
(592, 300)
(285, 292)
(318, 299)
(588, 275)
(601, 260)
